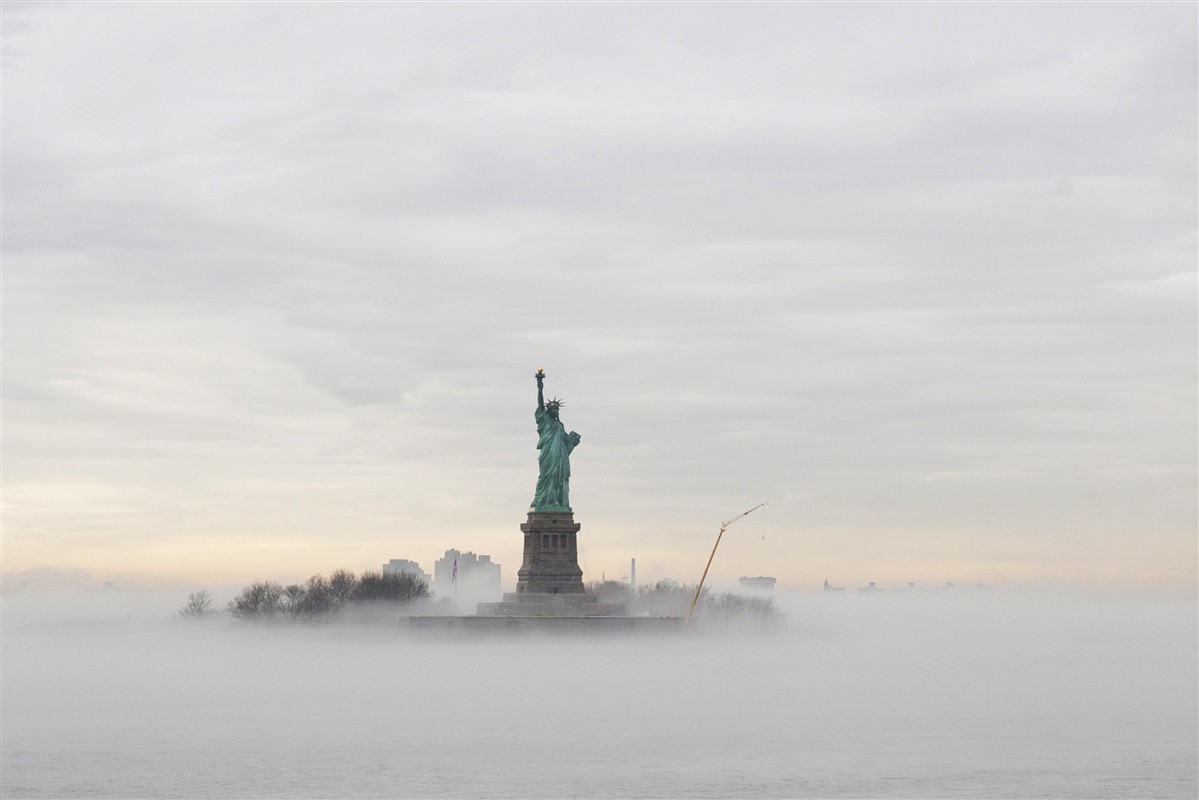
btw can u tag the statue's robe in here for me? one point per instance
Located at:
(553, 481)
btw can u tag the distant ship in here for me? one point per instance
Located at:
(761, 583)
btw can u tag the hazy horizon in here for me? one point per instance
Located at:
(52, 579)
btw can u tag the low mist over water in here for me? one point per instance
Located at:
(964, 693)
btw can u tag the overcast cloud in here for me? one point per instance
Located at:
(277, 277)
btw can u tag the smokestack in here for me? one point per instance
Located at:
(633, 575)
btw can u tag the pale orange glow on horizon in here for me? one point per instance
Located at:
(225, 562)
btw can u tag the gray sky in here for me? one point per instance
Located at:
(277, 278)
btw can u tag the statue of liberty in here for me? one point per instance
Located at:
(555, 444)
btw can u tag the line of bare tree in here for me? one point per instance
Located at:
(315, 599)
(668, 598)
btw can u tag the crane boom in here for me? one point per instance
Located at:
(703, 577)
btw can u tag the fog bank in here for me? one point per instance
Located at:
(932, 694)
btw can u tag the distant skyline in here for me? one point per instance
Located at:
(276, 279)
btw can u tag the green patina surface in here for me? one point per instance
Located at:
(556, 445)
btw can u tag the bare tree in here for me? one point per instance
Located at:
(199, 604)
(728, 607)
(668, 598)
(318, 597)
(402, 587)
(342, 584)
(292, 600)
(260, 600)
(612, 591)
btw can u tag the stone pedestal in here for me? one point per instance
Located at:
(551, 561)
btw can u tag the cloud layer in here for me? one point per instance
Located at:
(277, 278)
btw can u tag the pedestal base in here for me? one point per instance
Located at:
(551, 555)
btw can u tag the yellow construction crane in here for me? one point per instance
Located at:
(700, 588)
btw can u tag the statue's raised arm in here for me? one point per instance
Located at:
(556, 445)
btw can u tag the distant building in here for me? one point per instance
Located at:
(870, 588)
(830, 588)
(467, 578)
(761, 583)
(402, 566)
